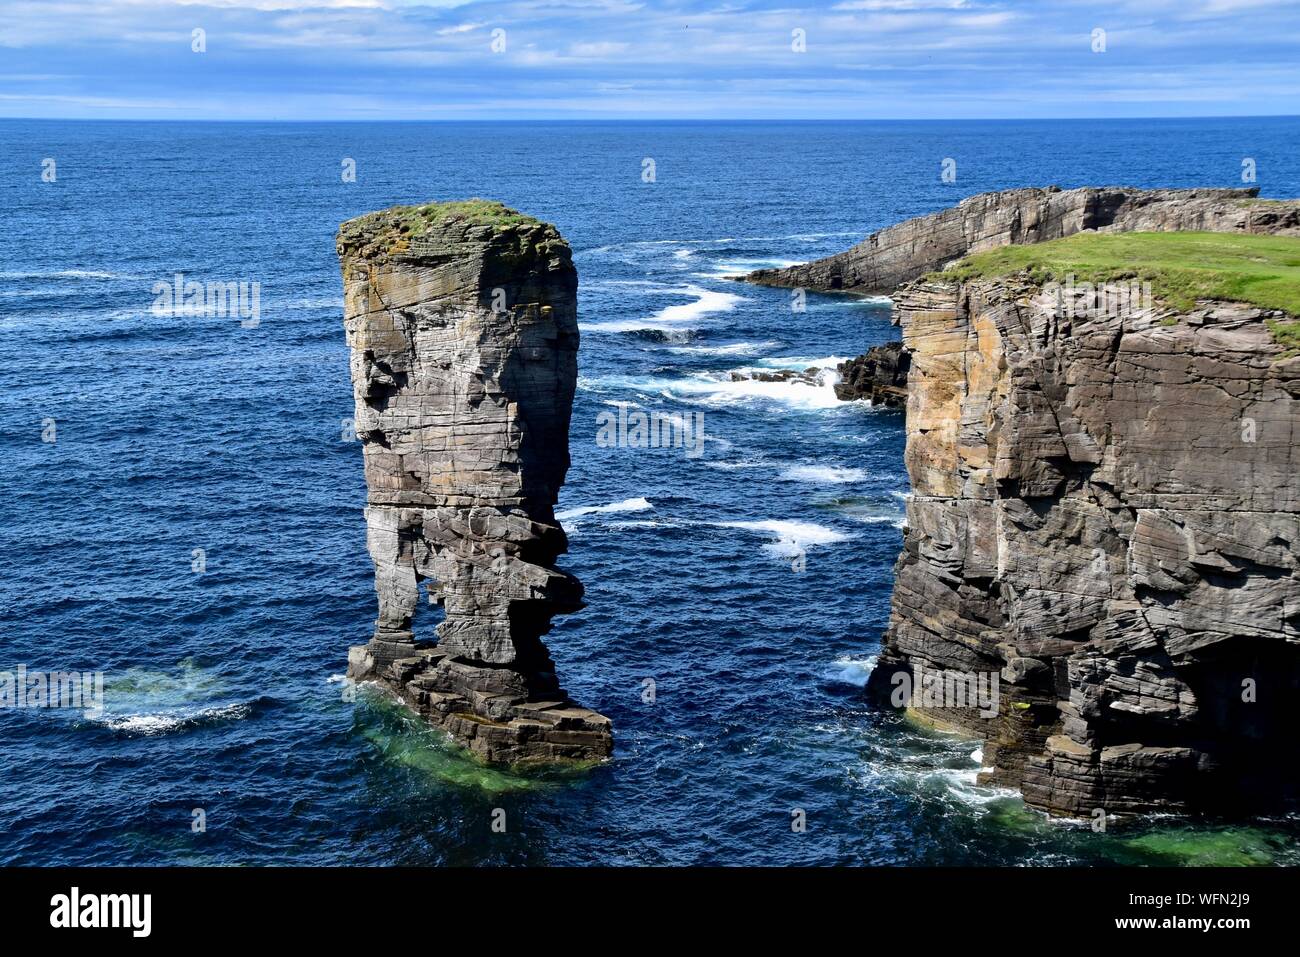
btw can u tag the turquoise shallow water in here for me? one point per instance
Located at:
(175, 434)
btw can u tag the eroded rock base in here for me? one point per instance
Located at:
(489, 711)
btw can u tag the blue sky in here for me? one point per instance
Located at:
(434, 59)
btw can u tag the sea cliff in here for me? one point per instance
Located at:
(1104, 526)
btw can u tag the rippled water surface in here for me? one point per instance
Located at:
(223, 688)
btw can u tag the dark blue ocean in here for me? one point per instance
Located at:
(223, 689)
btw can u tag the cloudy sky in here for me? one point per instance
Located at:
(443, 59)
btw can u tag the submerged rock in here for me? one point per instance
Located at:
(462, 324)
(897, 254)
(810, 376)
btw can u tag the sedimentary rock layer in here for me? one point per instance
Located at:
(890, 257)
(462, 324)
(1105, 515)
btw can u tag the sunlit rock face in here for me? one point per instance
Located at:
(1106, 517)
(462, 324)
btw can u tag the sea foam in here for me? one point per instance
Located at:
(627, 505)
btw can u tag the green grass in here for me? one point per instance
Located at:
(391, 230)
(1181, 267)
(474, 212)
(1286, 335)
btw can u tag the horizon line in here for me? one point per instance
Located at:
(650, 119)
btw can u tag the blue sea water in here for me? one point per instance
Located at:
(223, 686)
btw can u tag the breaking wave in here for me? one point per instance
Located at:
(627, 505)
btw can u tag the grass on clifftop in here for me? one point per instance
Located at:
(391, 230)
(474, 212)
(1181, 267)
(416, 220)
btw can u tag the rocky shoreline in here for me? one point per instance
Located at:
(462, 324)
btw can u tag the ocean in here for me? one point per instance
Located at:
(183, 507)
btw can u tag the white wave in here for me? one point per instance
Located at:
(712, 389)
(731, 349)
(793, 538)
(163, 722)
(730, 268)
(823, 474)
(735, 466)
(671, 319)
(962, 787)
(707, 301)
(852, 671)
(627, 505)
(719, 389)
(898, 523)
(801, 362)
(68, 274)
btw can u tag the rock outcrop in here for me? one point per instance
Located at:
(890, 257)
(809, 376)
(879, 375)
(1105, 519)
(462, 324)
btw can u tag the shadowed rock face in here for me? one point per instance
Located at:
(1105, 516)
(879, 375)
(890, 257)
(462, 324)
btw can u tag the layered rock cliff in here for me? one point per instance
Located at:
(462, 324)
(890, 257)
(1103, 532)
(1106, 517)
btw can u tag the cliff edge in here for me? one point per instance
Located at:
(462, 324)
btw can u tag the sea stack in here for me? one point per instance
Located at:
(461, 318)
